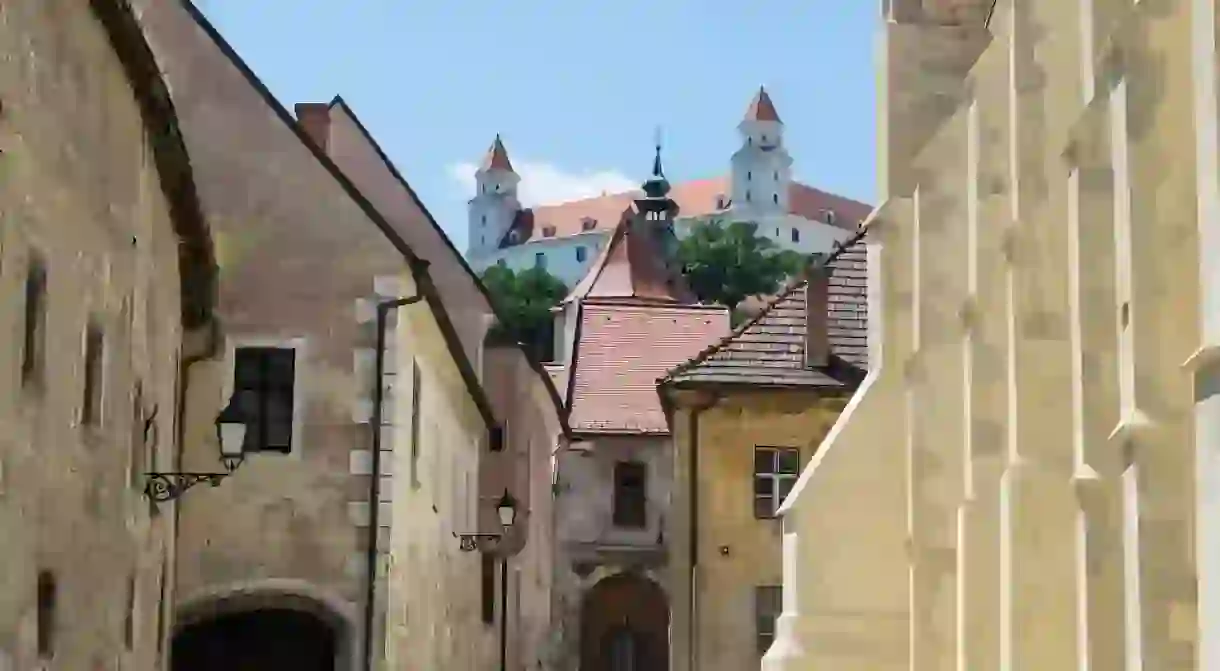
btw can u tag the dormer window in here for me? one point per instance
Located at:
(514, 236)
(588, 224)
(548, 231)
(830, 216)
(721, 202)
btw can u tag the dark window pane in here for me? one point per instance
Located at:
(91, 406)
(46, 616)
(764, 460)
(764, 486)
(789, 461)
(281, 367)
(785, 486)
(767, 605)
(34, 337)
(764, 506)
(488, 589)
(263, 380)
(630, 495)
(248, 368)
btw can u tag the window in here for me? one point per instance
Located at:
(796, 234)
(721, 202)
(263, 380)
(416, 392)
(489, 588)
(747, 196)
(91, 404)
(775, 175)
(581, 252)
(548, 231)
(46, 616)
(630, 496)
(749, 175)
(129, 618)
(33, 344)
(625, 652)
(502, 263)
(830, 217)
(768, 602)
(775, 471)
(775, 198)
(588, 224)
(540, 260)
(484, 222)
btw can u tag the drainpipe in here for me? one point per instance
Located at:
(692, 604)
(370, 598)
(504, 613)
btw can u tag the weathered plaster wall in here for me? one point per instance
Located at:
(79, 188)
(434, 595)
(737, 551)
(298, 258)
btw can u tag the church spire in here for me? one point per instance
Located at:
(761, 108)
(657, 186)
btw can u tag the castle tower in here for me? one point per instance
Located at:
(762, 167)
(494, 205)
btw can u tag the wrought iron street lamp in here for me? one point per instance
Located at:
(231, 439)
(506, 511)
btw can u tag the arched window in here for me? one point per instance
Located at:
(624, 650)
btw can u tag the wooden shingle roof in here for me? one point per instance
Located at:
(769, 350)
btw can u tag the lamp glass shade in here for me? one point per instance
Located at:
(507, 510)
(231, 435)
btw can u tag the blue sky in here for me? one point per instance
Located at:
(575, 88)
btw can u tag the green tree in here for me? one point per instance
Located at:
(724, 264)
(523, 301)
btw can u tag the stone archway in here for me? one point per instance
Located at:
(624, 625)
(265, 627)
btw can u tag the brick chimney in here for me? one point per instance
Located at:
(817, 332)
(314, 119)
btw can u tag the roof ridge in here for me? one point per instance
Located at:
(792, 285)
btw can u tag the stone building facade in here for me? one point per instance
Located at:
(1023, 479)
(106, 284)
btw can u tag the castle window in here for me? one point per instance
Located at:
(264, 383)
(721, 202)
(775, 472)
(581, 254)
(796, 234)
(548, 231)
(747, 196)
(775, 198)
(588, 224)
(484, 220)
(830, 216)
(91, 403)
(540, 260)
(630, 494)
(47, 594)
(775, 175)
(749, 175)
(33, 346)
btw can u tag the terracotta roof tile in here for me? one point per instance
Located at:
(497, 157)
(769, 349)
(694, 198)
(632, 266)
(761, 108)
(622, 350)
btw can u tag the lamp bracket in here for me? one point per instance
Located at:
(162, 487)
(471, 542)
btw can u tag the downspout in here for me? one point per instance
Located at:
(504, 613)
(692, 603)
(370, 604)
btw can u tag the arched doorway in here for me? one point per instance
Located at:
(625, 626)
(266, 639)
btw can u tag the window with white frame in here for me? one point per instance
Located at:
(264, 386)
(775, 472)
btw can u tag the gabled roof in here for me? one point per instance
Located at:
(621, 349)
(769, 350)
(761, 108)
(632, 266)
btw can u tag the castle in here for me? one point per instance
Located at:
(565, 238)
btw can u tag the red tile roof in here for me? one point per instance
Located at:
(694, 198)
(761, 108)
(621, 351)
(632, 266)
(497, 157)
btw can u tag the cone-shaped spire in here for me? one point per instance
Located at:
(761, 108)
(497, 157)
(657, 186)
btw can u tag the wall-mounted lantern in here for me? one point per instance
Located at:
(231, 439)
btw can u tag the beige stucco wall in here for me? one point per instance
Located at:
(80, 188)
(434, 592)
(1032, 401)
(736, 551)
(299, 258)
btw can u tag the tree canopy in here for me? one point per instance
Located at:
(523, 300)
(725, 264)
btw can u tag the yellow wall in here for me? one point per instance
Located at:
(737, 551)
